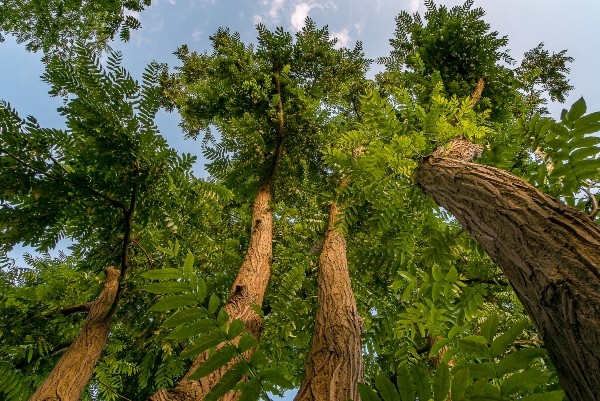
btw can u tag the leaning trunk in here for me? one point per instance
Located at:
(74, 369)
(248, 290)
(335, 364)
(548, 251)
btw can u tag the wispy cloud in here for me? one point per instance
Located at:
(343, 38)
(300, 13)
(197, 35)
(414, 5)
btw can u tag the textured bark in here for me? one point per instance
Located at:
(248, 290)
(74, 369)
(335, 364)
(548, 251)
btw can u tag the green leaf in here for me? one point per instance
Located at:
(577, 110)
(246, 342)
(219, 358)
(459, 384)
(200, 289)
(251, 390)
(187, 265)
(206, 341)
(193, 329)
(386, 388)
(438, 345)
(517, 360)
(475, 348)
(503, 341)
(168, 287)
(163, 274)
(524, 381)
(367, 393)
(258, 358)
(184, 316)
(170, 302)
(227, 382)
(420, 378)
(222, 317)
(235, 328)
(489, 328)
(583, 153)
(441, 382)
(213, 304)
(406, 387)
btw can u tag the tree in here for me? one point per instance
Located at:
(298, 152)
(268, 105)
(55, 27)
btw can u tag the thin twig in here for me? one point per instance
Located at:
(135, 241)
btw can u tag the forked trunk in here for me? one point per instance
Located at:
(335, 363)
(74, 369)
(548, 251)
(248, 290)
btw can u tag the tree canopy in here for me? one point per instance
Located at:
(315, 171)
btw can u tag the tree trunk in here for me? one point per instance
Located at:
(74, 369)
(248, 290)
(548, 251)
(335, 363)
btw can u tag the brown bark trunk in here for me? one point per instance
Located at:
(74, 369)
(248, 290)
(548, 251)
(335, 363)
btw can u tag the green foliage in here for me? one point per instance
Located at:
(207, 328)
(454, 46)
(559, 157)
(55, 26)
(490, 366)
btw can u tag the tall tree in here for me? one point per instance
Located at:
(88, 183)
(268, 107)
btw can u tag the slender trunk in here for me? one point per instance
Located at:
(248, 290)
(548, 251)
(74, 369)
(335, 363)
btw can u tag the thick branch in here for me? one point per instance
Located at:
(549, 252)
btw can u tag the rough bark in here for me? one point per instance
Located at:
(74, 369)
(335, 364)
(248, 290)
(548, 251)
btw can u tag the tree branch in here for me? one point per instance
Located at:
(594, 201)
(94, 192)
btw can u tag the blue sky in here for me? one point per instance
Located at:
(572, 25)
(167, 24)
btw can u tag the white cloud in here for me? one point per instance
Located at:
(197, 35)
(343, 38)
(257, 19)
(274, 8)
(173, 1)
(414, 5)
(300, 13)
